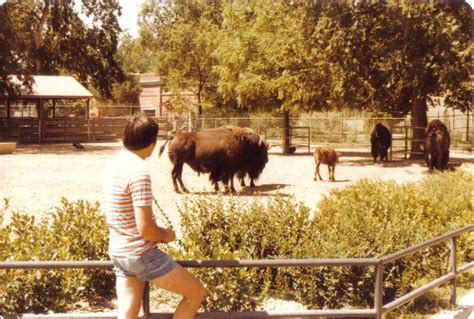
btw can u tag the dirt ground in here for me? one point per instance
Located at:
(35, 177)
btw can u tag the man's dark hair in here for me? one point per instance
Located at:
(140, 132)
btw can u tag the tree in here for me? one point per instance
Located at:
(53, 39)
(183, 38)
(134, 56)
(397, 58)
(12, 55)
(259, 57)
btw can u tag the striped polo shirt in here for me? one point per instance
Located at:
(126, 184)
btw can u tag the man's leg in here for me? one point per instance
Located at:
(129, 297)
(182, 282)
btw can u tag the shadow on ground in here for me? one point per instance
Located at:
(260, 190)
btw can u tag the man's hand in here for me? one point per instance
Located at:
(170, 235)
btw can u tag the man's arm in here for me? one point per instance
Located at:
(147, 227)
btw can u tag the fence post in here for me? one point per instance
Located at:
(453, 263)
(467, 125)
(146, 301)
(378, 291)
(406, 141)
(65, 129)
(342, 129)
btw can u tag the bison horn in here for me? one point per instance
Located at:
(260, 141)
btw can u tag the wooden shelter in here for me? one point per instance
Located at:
(45, 90)
(52, 88)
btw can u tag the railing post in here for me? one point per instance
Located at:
(378, 291)
(146, 301)
(453, 263)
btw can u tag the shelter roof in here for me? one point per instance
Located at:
(54, 87)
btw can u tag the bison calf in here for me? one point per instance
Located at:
(328, 156)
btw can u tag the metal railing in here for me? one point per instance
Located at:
(378, 310)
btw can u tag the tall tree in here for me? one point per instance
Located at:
(183, 37)
(259, 57)
(57, 39)
(134, 56)
(13, 60)
(398, 57)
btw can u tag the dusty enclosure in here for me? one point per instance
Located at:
(35, 177)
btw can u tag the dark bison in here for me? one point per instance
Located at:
(328, 156)
(436, 145)
(256, 152)
(221, 152)
(380, 141)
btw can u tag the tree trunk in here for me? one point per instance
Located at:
(420, 121)
(286, 132)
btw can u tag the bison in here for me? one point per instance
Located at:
(257, 156)
(381, 141)
(325, 155)
(436, 145)
(221, 152)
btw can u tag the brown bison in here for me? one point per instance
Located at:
(221, 152)
(381, 141)
(436, 145)
(328, 156)
(257, 155)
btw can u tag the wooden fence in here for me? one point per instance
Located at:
(65, 130)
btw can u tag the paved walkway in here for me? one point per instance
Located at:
(465, 311)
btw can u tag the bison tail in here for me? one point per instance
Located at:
(162, 148)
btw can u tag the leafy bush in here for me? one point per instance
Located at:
(73, 231)
(220, 229)
(370, 218)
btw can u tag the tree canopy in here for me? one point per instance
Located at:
(390, 56)
(52, 37)
(183, 39)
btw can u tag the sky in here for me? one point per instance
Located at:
(129, 17)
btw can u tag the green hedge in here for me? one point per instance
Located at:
(72, 231)
(370, 218)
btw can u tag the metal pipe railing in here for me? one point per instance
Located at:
(376, 312)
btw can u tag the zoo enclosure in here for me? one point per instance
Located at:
(309, 131)
(306, 131)
(378, 310)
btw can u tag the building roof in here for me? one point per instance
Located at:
(55, 87)
(149, 79)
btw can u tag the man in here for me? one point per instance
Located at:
(134, 234)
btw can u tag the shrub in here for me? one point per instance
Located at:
(370, 218)
(373, 218)
(232, 229)
(73, 231)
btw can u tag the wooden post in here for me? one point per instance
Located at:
(286, 132)
(65, 129)
(406, 141)
(87, 108)
(54, 108)
(9, 105)
(161, 100)
(467, 125)
(378, 296)
(146, 301)
(453, 263)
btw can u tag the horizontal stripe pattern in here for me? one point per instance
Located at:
(126, 184)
